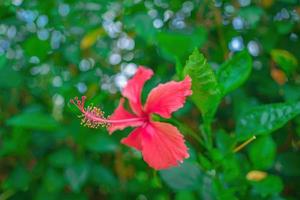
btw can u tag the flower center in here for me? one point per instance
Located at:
(93, 117)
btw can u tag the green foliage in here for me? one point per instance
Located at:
(262, 153)
(269, 186)
(76, 175)
(262, 120)
(285, 60)
(187, 176)
(101, 144)
(36, 121)
(206, 90)
(242, 56)
(289, 163)
(188, 42)
(234, 72)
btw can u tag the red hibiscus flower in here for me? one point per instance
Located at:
(161, 144)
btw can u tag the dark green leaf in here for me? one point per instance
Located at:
(265, 119)
(187, 176)
(288, 164)
(76, 175)
(103, 176)
(36, 121)
(234, 72)
(61, 158)
(101, 143)
(225, 142)
(19, 179)
(9, 78)
(53, 181)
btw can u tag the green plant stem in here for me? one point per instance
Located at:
(219, 27)
(206, 129)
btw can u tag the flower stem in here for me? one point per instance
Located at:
(238, 148)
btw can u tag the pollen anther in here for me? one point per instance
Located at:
(92, 116)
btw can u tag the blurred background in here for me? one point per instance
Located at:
(51, 51)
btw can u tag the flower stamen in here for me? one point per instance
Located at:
(93, 117)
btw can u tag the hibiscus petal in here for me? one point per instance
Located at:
(162, 145)
(119, 114)
(169, 97)
(133, 139)
(134, 87)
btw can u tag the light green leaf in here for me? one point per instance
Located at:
(234, 72)
(36, 121)
(265, 119)
(206, 90)
(285, 60)
(168, 42)
(262, 152)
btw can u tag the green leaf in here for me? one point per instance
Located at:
(224, 141)
(179, 68)
(288, 164)
(76, 175)
(206, 90)
(183, 195)
(262, 152)
(251, 14)
(2, 61)
(103, 177)
(234, 72)
(205, 163)
(19, 178)
(9, 78)
(100, 143)
(31, 44)
(187, 176)
(269, 186)
(53, 181)
(284, 26)
(186, 41)
(36, 121)
(231, 167)
(265, 119)
(61, 158)
(143, 26)
(285, 60)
